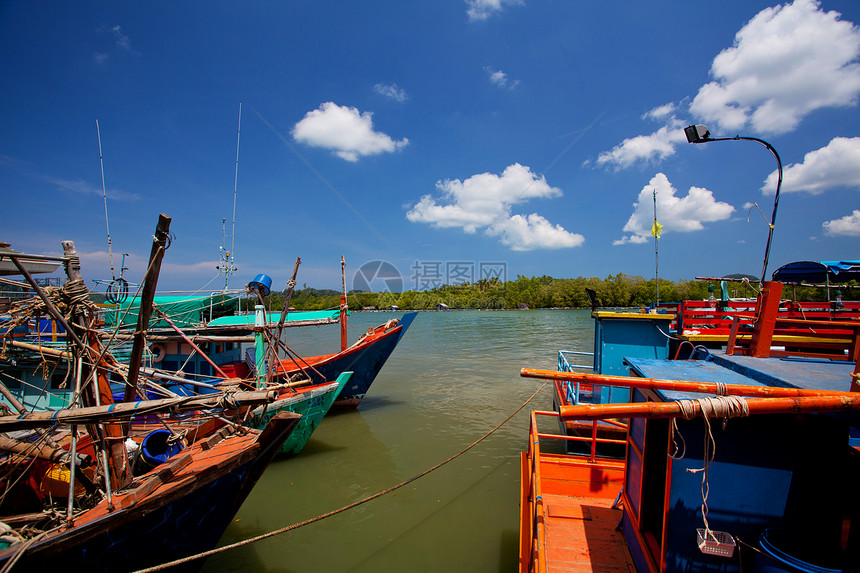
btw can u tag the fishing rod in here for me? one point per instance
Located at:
(117, 290)
(104, 194)
(228, 256)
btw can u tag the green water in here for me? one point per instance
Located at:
(453, 377)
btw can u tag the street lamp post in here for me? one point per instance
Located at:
(700, 134)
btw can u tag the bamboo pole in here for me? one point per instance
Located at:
(43, 452)
(273, 348)
(95, 414)
(795, 405)
(674, 385)
(109, 437)
(159, 244)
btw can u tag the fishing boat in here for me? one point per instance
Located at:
(364, 358)
(83, 486)
(224, 345)
(222, 342)
(743, 459)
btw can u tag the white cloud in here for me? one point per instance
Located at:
(391, 91)
(482, 9)
(680, 214)
(100, 58)
(847, 226)
(786, 62)
(533, 232)
(500, 78)
(82, 187)
(485, 201)
(346, 131)
(833, 166)
(122, 40)
(660, 112)
(658, 145)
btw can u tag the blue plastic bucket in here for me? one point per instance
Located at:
(774, 559)
(261, 283)
(156, 449)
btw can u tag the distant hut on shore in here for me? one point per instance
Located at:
(523, 306)
(442, 306)
(393, 307)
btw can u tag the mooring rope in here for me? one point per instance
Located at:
(344, 508)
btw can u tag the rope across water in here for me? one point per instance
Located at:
(346, 507)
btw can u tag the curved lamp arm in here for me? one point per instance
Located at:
(700, 134)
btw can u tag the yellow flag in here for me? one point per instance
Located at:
(655, 230)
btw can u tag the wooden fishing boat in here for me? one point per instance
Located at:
(179, 508)
(119, 496)
(739, 460)
(365, 358)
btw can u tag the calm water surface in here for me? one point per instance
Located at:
(453, 377)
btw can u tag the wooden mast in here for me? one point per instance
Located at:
(291, 285)
(159, 244)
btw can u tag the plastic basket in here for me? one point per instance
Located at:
(715, 542)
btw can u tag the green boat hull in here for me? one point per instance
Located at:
(312, 404)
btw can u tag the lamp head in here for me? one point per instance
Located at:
(697, 133)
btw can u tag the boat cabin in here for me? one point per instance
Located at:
(782, 486)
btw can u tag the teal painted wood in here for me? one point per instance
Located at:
(312, 403)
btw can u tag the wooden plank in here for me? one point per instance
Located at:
(581, 535)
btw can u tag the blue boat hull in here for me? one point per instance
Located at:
(363, 360)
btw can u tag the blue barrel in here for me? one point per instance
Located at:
(261, 283)
(156, 449)
(775, 557)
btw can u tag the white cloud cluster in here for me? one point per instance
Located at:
(478, 10)
(833, 166)
(847, 226)
(500, 78)
(120, 38)
(346, 131)
(485, 201)
(681, 214)
(391, 91)
(786, 62)
(658, 145)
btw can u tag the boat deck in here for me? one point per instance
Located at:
(576, 524)
(580, 535)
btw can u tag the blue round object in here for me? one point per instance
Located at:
(156, 450)
(261, 283)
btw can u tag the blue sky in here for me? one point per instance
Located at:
(528, 137)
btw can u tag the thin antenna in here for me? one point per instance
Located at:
(236, 182)
(104, 193)
(655, 230)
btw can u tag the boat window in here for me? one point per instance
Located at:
(13, 380)
(655, 465)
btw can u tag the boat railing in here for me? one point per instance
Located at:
(531, 479)
(572, 389)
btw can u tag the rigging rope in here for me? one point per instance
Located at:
(712, 407)
(344, 508)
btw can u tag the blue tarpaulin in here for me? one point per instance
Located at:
(818, 272)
